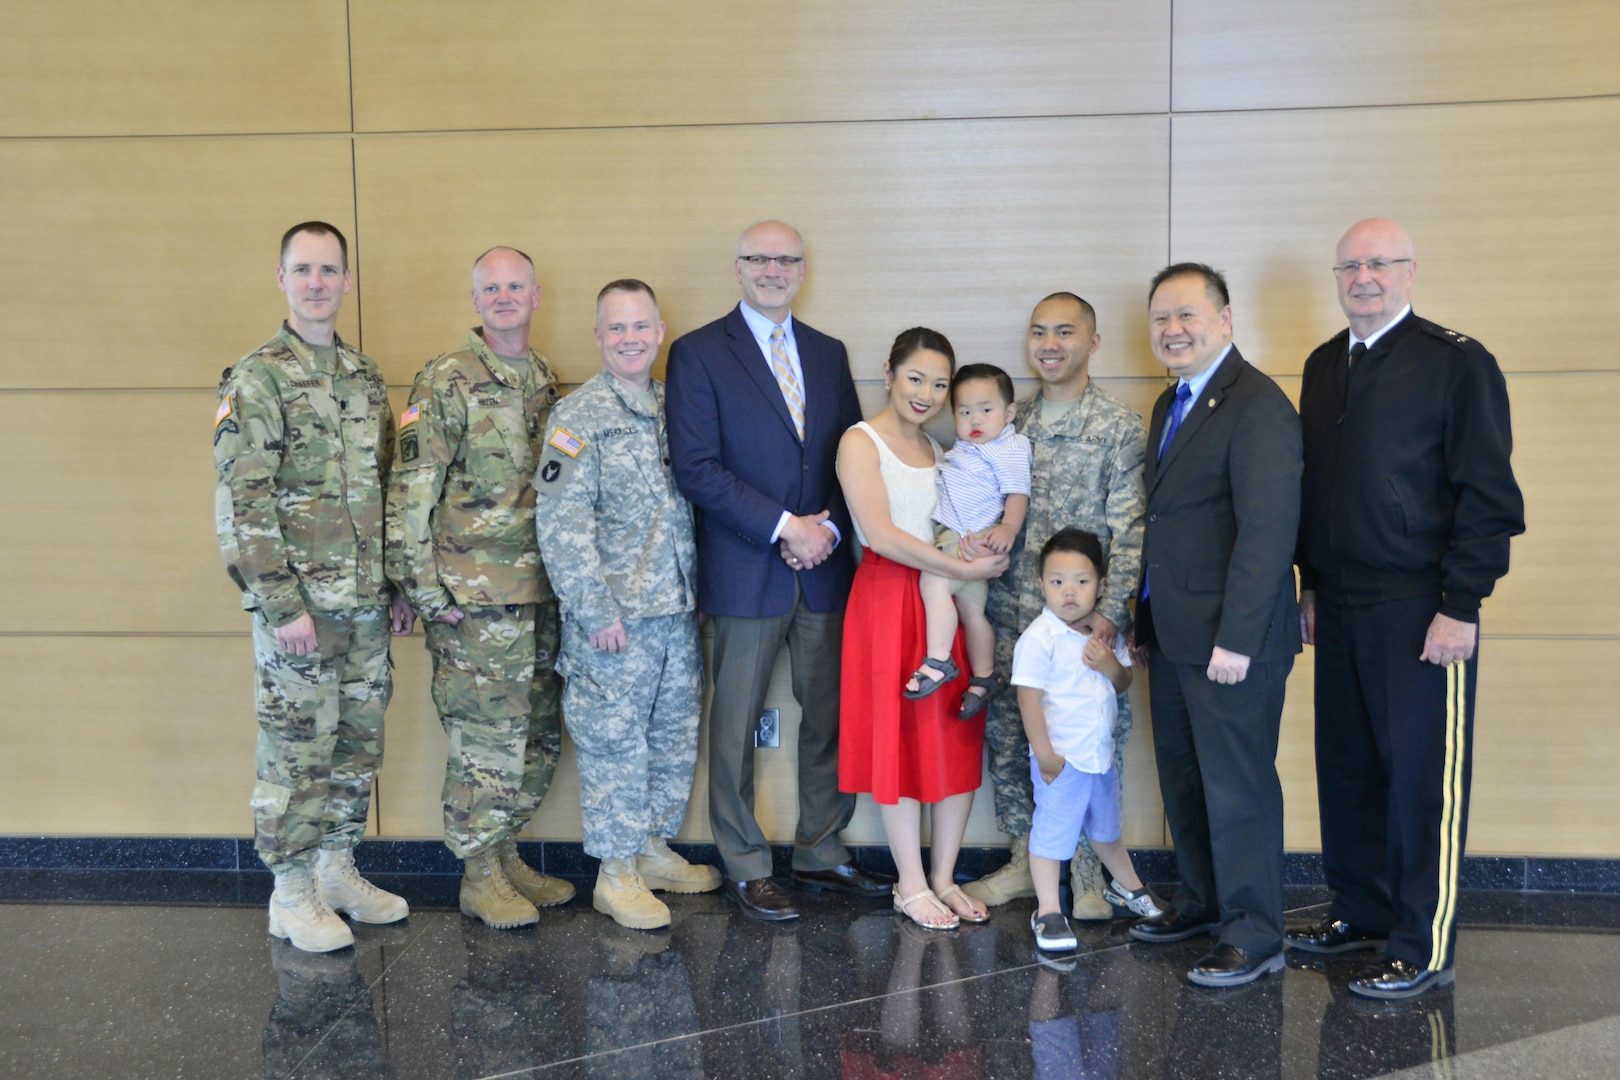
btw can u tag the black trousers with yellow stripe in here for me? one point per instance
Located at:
(1394, 753)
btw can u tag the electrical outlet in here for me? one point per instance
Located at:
(769, 730)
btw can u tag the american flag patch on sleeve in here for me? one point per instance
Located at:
(567, 442)
(410, 415)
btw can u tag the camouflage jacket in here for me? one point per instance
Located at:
(613, 528)
(302, 453)
(461, 501)
(1087, 474)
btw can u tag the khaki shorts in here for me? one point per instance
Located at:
(973, 592)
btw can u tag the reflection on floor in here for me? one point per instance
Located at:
(139, 974)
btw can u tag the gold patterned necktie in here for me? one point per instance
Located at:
(783, 370)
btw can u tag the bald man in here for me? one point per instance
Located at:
(1409, 502)
(462, 548)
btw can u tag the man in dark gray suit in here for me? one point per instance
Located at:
(1218, 617)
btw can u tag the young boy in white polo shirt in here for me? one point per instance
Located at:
(1067, 685)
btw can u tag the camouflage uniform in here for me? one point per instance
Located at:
(619, 539)
(301, 448)
(1087, 474)
(461, 535)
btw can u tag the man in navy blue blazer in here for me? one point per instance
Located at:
(756, 402)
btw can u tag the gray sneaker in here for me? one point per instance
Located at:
(1052, 933)
(1140, 902)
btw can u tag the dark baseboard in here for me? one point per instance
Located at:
(568, 859)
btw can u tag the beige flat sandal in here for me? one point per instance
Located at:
(948, 891)
(904, 908)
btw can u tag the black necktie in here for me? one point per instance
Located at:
(1357, 353)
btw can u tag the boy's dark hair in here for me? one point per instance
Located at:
(1076, 542)
(1002, 380)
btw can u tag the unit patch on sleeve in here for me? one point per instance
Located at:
(409, 449)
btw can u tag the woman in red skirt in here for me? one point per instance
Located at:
(907, 753)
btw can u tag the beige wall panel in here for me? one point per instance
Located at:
(1515, 193)
(958, 225)
(1277, 54)
(1546, 749)
(152, 262)
(579, 64)
(183, 67)
(1566, 456)
(115, 532)
(127, 736)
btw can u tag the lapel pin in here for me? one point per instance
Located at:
(1212, 403)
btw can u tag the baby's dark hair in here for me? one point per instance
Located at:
(1075, 542)
(984, 371)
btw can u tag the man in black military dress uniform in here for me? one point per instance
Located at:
(1408, 505)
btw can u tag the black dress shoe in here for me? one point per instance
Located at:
(851, 879)
(1228, 965)
(761, 898)
(1332, 936)
(1392, 979)
(1172, 925)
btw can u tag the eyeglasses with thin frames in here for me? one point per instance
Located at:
(783, 262)
(1375, 267)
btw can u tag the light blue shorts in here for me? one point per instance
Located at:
(1075, 802)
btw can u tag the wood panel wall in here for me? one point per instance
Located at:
(949, 163)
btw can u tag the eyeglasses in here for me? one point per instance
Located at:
(1375, 267)
(783, 262)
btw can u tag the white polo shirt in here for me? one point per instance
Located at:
(1079, 702)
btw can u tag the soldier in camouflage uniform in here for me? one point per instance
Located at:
(1087, 474)
(301, 444)
(461, 548)
(619, 540)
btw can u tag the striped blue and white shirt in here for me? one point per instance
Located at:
(976, 478)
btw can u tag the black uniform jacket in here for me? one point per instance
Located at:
(1408, 490)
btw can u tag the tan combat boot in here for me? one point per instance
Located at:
(661, 868)
(343, 889)
(1086, 880)
(487, 895)
(621, 895)
(298, 914)
(1010, 882)
(533, 886)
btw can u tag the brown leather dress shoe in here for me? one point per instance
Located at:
(851, 878)
(761, 898)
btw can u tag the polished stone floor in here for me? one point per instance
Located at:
(171, 974)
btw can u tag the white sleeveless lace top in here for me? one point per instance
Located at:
(912, 490)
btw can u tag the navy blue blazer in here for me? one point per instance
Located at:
(737, 457)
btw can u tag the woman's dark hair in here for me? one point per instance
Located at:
(915, 340)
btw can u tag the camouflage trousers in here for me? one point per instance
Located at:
(1009, 749)
(634, 720)
(320, 734)
(499, 698)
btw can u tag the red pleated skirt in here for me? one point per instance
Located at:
(887, 745)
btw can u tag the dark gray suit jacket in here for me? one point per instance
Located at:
(1223, 518)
